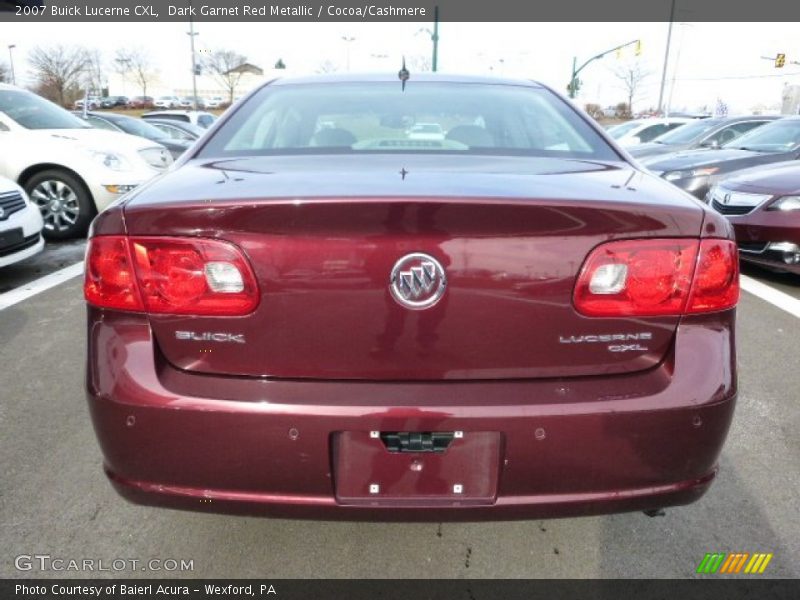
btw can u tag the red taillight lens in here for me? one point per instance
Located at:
(655, 277)
(716, 280)
(110, 280)
(185, 276)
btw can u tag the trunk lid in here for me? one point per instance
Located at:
(324, 233)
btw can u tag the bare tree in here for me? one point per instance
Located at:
(327, 66)
(58, 69)
(420, 63)
(221, 64)
(95, 71)
(631, 76)
(136, 64)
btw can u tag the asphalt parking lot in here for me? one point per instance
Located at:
(54, 498)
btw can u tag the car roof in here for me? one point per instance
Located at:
(111, 116)
(176, 112)
(393, 77)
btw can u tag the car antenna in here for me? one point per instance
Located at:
(403, 74)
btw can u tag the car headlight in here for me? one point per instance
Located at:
(157, 157)
(111, 160)
(786, 203)
(675, 175)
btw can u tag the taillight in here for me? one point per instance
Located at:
(655, 277)
(109, 279)
(716, 280)
(182, 276)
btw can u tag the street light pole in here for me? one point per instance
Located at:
(191, 35)
(125, 66)
(347, 41)
(666, 60)
(11, 62)
(572, 88)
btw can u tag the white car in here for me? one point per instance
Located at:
(94, 102)
(69, 169)
(216, 102)
(167, 102)
(426, 131)
(20, 224)
(640, 131)
(195, 117)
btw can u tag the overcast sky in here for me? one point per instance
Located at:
(714, 60)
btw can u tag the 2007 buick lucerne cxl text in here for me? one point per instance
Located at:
(315, 314)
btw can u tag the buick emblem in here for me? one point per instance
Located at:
(726, 199)
(418, 281)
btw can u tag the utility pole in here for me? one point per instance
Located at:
(11, 62)
(666, 59)
(435, 39)
(191, 35)
(676, 67)
(573, 86)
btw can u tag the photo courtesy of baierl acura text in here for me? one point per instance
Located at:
(449, 300)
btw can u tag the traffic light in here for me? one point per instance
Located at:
(780, 60)
(638, 50)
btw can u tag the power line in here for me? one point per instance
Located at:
(738, 77)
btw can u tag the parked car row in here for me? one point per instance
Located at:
(138, 127)
(144, 102)
(746, 168)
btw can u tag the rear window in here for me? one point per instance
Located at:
(428, 117)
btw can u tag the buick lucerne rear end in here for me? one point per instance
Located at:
(317, 313)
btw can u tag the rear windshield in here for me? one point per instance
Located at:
(779, 136)
(688, 133)
(428, 117)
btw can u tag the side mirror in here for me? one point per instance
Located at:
(713, 144)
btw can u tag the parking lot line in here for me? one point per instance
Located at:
(770, 294)
(40, 285)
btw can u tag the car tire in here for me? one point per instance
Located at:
(64, 200)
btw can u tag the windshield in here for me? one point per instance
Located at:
(139, 127)
(325, 118)
(618, 131)
(34, 112)
(780, 136)
(686, 134)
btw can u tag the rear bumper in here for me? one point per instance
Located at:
(569, 447)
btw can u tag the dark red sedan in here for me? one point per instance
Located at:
(319, 314)
(764, 207)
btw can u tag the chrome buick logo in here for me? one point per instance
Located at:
(726, 199)
(418, 281)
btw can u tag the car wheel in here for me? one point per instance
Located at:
(66, 205)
